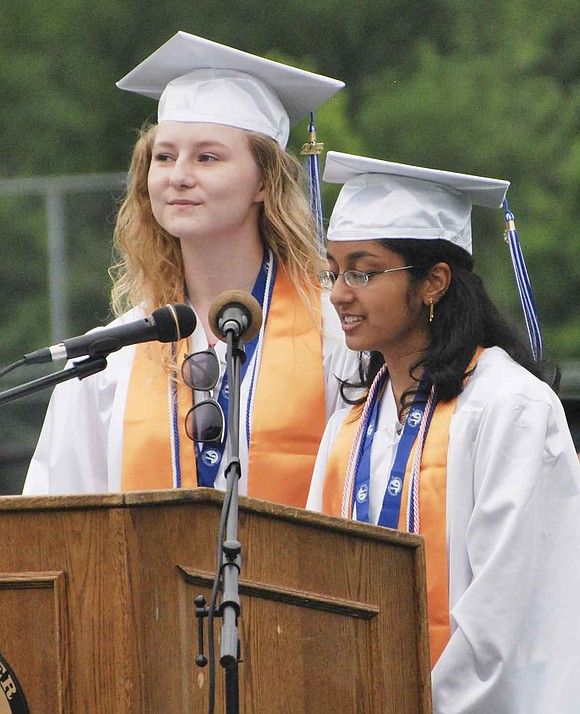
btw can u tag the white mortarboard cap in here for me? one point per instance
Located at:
(382, 199)
(197, 80)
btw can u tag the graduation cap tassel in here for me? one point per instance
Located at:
(524, 285)
(312, 149)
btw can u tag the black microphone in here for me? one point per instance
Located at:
(169, 323)
(237, 312)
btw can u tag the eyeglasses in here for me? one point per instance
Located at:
(205, 421)
(353, 278)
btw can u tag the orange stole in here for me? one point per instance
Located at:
(288, 417)
(289, 407)
(146, 441)
(432, 509)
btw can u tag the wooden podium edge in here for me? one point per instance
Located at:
(169, 497)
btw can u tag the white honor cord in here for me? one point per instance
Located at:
(258, 353)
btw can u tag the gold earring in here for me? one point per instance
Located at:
(431, 309)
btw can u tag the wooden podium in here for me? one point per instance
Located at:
(98, 615)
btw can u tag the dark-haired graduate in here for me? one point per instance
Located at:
(214, 203)
(457, 438)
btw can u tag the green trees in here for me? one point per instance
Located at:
(491, 88)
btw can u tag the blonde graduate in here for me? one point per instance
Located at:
(214, 203)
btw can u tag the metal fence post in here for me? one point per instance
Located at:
(57, 272)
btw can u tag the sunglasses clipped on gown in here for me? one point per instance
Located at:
(205, 421)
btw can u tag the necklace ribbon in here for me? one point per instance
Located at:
(389, 515)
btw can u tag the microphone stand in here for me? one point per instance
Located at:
(80, 370)
(231, 547)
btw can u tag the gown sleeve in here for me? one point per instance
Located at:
(80, 445)
(513, 536)
(70, 456)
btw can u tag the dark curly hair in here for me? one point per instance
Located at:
(466, 318)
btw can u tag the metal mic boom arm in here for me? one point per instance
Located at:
(80, 370)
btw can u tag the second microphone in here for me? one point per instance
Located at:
(235, 312)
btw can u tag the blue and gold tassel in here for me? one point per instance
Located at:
(312, 149)
(524, 285)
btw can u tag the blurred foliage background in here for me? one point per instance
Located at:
(490, 88)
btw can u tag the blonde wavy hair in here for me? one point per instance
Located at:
(148, 265)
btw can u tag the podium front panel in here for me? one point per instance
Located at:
(97, 595)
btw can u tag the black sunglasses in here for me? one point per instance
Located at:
(205, 421)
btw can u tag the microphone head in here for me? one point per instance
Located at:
(246, 304)
(174, 322)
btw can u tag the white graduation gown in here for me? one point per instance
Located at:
(80, 449)
(513, 542)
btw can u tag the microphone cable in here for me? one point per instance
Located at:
(11, 367)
